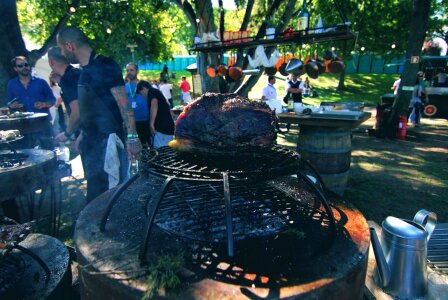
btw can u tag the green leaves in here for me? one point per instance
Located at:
(156, 27)
(164, 273)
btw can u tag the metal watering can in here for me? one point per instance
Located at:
(401, 254)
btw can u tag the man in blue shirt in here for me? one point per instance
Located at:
(138, 103)
(32, 95)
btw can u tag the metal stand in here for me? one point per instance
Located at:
(188, 174)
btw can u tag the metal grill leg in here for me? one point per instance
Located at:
(52, 221)
(151, 214)
(114, 199)
(37, 259)
(225, 176)
(322, 199)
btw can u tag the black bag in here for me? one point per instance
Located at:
(286, 98)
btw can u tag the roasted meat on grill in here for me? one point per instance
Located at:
(13, 234)
(224, 123)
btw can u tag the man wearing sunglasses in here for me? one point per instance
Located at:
(32, 94)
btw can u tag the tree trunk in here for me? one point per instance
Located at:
(205, 59)
(204, 11)
(12, 44)
(419, 25)
(341, 84)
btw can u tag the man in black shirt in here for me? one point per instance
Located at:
(295, 88)
(104, 109)
(161, 122)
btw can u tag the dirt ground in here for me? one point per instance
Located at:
(400, 177)
(396, 177)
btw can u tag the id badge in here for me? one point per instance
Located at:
(134, 104)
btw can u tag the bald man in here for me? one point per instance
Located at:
(106, 118)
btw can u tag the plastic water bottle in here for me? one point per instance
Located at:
(63, 153)
(290, 105)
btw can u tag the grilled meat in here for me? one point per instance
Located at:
(224, 123)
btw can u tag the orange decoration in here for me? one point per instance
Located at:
(327, 62)
(227, 36)
(231, 61)
(236, 36)
(279, 63)
(222, 70)
(245, 34)
(211, 72)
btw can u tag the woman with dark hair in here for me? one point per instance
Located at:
(161, 124)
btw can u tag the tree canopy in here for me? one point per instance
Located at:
(155, 27)
(161, 28)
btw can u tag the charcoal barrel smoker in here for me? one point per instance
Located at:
(247, 226)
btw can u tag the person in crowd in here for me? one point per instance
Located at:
(269, 94)
(161, 122)
(288, 95)
(154, 84)
(164, 73)
(307, 87)
(31, 94)
(138, 104)
(167, 91)
(396, 85)
(185, 90)
(57, 124)
(416, 103)
(440, 78)
(106, 118)
(295, 88)
(68, 77)
(269, 91)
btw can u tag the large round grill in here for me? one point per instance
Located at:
(266, 163)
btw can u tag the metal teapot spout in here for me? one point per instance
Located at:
(383, 266)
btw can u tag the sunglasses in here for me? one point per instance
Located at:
(22, 65)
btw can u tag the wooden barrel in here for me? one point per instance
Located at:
(329, 152)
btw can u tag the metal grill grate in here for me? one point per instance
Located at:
(267, 163)
(12, 160)
(438, 249)
(258, 210)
